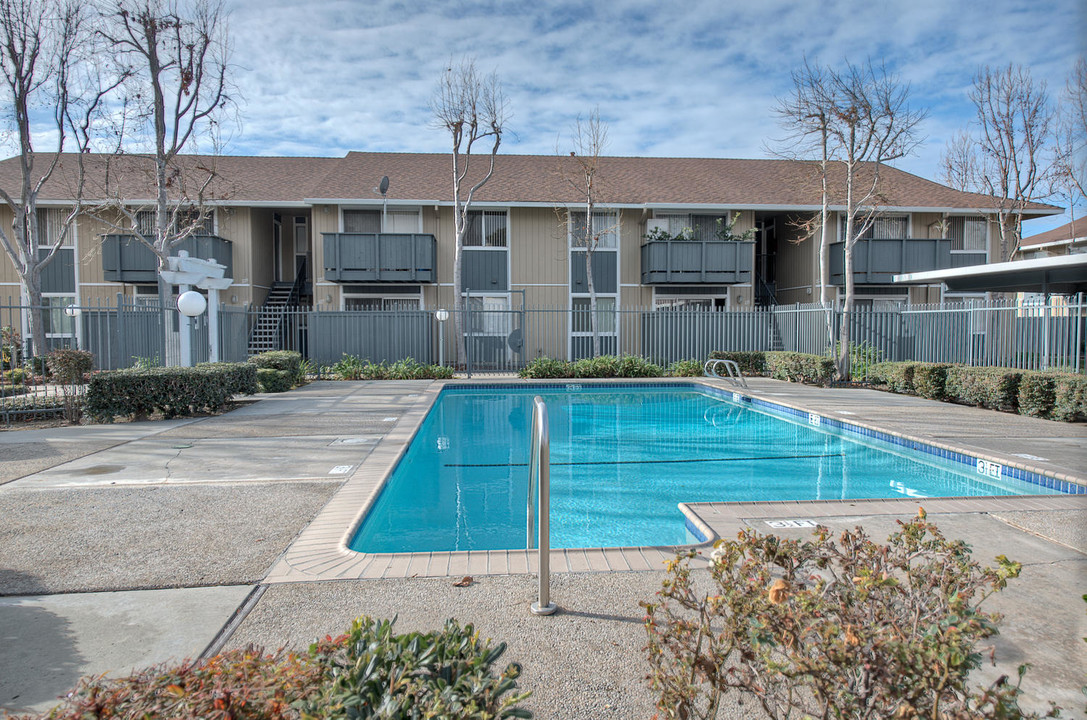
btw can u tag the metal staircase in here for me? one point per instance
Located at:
(267, 332)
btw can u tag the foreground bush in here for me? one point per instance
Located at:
(173, 391)
(1069, 398)
(367, 673)
(685, 368)
(612, 366)
(274, 381)
(372, 672)
(814, 628)
(352, 368)
(69, 366)
(237, 378)
(897, 376)
(240, 684)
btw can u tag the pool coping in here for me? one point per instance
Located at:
(321, 552)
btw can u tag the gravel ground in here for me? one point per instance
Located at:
(586, 661)
(123, 538)
(1067, 527)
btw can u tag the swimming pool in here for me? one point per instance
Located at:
(622, 458)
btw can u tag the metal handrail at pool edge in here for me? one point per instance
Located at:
(539, 481)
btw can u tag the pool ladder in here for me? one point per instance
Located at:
(539, 481)
(734, 375)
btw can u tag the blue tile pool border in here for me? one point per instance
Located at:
(983, 466)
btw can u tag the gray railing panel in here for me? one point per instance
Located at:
(697, 262)
(486, 270)
(374, 336)
(379, 257)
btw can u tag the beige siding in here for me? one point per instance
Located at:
(9, 278)
(323, 219)
(538, 252)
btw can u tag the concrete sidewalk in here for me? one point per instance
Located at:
(128, 544)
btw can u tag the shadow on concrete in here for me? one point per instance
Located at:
(40, 658)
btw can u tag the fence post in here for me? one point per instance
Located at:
(122, 353)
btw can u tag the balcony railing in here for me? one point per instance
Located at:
(126, 259)
(687, 262)
(878, 261)
(380, 257)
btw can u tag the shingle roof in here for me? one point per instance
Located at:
(1074, 229)
(425, 178)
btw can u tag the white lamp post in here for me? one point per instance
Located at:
(441, 316)
(190, 304)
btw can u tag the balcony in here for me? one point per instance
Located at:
(876, 262)
(380, 257)
(694, 262)
(126, 259)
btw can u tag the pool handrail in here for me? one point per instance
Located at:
(539, 478)
(734, 375)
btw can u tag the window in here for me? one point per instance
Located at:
(182, 220)
(51, 225)
(884, 227)
(701, 227)
(690, 303)
(968, 233)
(605, 229)
(486, 228)
(361, 221)
(605, 315)
(489, 315)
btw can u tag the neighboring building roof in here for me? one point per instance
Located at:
(518, 179)
(1064, 274)
(1071, 232)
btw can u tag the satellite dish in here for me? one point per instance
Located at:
(384, 186)
(516, 340)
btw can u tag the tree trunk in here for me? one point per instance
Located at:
(847, 313)
(35, 316)
(459, 304)
(592, 300)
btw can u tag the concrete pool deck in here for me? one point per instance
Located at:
(113, 536)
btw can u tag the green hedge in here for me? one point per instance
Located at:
(239, 378)
(685, 368)
(611, 366)
(1037, 394)
(995, 388)
(350, 367)
(1069, 397)
(800, 367)
(173, 391)
(930, 380)
(271, 380)
(897, 376)
(547, 368)
(288, 361)
(750, 363)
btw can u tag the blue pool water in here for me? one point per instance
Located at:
(622, 458)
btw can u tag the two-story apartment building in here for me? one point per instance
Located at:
(317, 231)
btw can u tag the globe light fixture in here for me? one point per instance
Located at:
(191, 303)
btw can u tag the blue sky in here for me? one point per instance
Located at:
(679, 79)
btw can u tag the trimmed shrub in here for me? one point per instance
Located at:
(1036, 394)
(545, 367)
(173, 391)
(897, 376)
(271, 380)
(1069, 397)
(684, 368)
(750, 363)
(69, 366)
(800, 367)
(238, 378)
(930, 380)
(288, 361)
(994, 388)
(371, 672)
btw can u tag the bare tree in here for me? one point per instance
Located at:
(53, 88)
(806, 116)
(580, 171)
(1004, 153)
(175, 56)
(1070, 164)
(870, 123)
(472, 108)
(854, 120)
